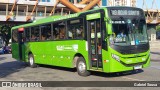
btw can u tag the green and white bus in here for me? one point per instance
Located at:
(108, 39)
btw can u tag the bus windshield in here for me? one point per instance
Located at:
(129, 32)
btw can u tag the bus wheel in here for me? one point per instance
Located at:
(31, 61)
(81, 67)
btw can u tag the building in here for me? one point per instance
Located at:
(29, 10)
(20, 9)
(122, 3)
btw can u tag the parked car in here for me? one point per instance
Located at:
(2, 51)
(8, 49)
(158, 34)
(5, 50)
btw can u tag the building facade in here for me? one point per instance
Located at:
(25, 8)
(122, 3)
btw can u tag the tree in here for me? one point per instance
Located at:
(158, 28)
(5, 32)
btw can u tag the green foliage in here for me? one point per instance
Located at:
(5, 32)
(158, 28)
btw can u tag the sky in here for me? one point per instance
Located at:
(149, 4)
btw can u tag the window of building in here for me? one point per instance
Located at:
(79, 1)
(75, 29)
(44, 0)
(46, 32)
(72, 1)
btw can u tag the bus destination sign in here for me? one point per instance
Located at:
(125, 12)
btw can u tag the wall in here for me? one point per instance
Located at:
(51, 3)
(4, 1)
(120, 2)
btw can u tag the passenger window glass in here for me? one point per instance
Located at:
(27, 34)
(35, 33)
(46, 32)
(15, 36)
(75, 29)
(59, 31)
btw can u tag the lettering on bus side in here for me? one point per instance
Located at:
(93, 16)
(61, 18)
(67, 47)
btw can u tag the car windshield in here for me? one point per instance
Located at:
(129, 32)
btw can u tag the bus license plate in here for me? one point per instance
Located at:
(138, 67)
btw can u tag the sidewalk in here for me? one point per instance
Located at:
(155, 50)
(155, 44)
(155, 54)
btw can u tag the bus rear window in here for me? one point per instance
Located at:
(15, 36)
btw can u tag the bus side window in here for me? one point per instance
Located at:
(35, 33)
(46, 32)
(43, 37)
(27, 34)
(75, 29)
(70, 34)
(14, 36)
(79, 32)
(55, 33)
(33, 37)
(62, 33)
(59, 31)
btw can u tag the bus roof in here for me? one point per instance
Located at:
(59, 17)
(51, 19)
(46, 20)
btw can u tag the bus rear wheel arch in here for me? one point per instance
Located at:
(31, 61)
(82, 67)
(75, 59)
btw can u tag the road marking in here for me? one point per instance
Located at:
(133, 79)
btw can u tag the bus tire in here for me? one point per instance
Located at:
(31, 61)
(81, 67)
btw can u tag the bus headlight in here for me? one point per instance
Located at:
(116, 57)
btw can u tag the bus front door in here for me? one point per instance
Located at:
(95, 43)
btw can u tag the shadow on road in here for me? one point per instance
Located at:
(2, 58)
(101, 74)
(155, 60)
(58, 68)
(8, 68)
(118, 74)
(158, 53)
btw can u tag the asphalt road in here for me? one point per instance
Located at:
(12, 70)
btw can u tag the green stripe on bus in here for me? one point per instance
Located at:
(93, 16)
